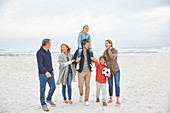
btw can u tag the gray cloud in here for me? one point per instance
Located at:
(134, 21)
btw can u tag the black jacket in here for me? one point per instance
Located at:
(82, 60)
(44, 61)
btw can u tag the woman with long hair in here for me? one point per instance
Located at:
(111, 55)
(67, 71)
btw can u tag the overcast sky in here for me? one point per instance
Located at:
(23, 24)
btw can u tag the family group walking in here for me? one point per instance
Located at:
(81, 61)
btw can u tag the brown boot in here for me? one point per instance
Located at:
(97, 100)
(104, 104)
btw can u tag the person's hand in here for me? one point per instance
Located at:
(48, 74)
(72, 60)
(109, 75)
(92, 58)
(90, 50)
(95, 60)
(111, 48)
(78, 59)
(80, 50)
(53, 72)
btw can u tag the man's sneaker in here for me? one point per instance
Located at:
(81, 98)
(86, 103)
(45, 108)
(51, 103)
(78, 66)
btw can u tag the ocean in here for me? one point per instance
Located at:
(97, 51)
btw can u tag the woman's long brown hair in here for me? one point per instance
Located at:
(110, 42)
(68, 48)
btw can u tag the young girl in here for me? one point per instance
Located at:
(101, 79)
(82, 36)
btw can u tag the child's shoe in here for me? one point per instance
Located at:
(97, 100)
(104, 104)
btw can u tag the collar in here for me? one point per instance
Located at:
(102, 65)
(44, 49)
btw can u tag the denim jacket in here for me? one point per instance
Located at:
(82, 36)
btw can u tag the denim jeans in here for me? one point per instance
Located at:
(43, 80)
(69, 80)
(117, 84)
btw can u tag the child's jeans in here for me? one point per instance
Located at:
(80, 52)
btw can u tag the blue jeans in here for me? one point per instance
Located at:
(69, 80)
(43, 80)
(117, 84)
(79, 54)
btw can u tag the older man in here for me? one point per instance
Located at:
(46, 73)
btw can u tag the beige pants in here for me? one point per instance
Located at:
(84, 76)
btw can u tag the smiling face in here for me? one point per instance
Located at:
(107, 45)
(102, 61)
(85, 29)
(86, 46)
(64, 48)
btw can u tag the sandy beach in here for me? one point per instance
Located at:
(145, 83)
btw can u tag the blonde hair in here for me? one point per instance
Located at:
(68, 48)
(83, 28)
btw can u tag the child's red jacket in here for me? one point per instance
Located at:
(99, 76)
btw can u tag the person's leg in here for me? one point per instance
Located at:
(98, 86)
(81, 82)
(69, 80)
(78, 56)
(64, 92)
(87, 85)
(110, 82)
(92, 55)
(117, 85)
(79, 53)
(104, 92)
(52, 86)
(43, 80)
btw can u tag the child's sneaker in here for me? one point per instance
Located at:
(92, 66)
(78, 66)
(97, 100)
(104, 104)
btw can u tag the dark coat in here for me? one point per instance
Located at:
(44, 61)
(82, 60)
